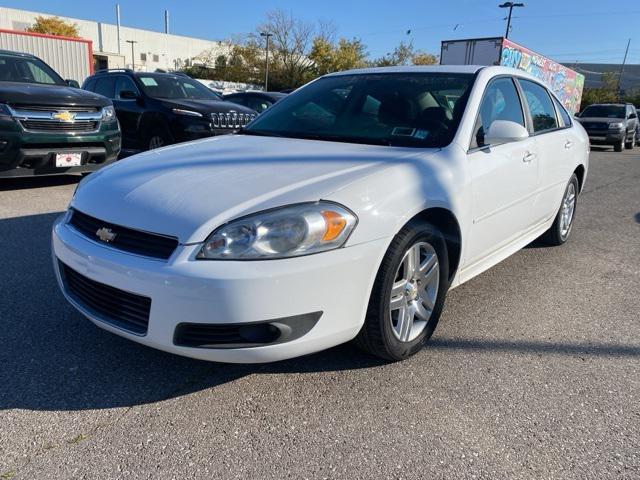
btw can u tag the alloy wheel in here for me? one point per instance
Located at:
(414, 291)
(567, 210)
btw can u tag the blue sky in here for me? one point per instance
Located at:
(567, 30)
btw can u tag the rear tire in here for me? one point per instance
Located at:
(559, 232)
(408, 294)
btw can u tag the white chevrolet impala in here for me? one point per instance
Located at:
(346, 211)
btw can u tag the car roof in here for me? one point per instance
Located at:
(412, 69)
(16, 54)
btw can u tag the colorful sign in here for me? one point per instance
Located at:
(565, 83)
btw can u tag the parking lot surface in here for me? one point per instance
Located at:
(533, 372)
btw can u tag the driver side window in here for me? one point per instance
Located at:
(500, 102)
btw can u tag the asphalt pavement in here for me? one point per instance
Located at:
(533, 373)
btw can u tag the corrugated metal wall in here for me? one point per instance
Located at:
(67, 57)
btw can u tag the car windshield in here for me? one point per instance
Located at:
(27, 70)
(175, 88)
(398, 109)
(609, 111)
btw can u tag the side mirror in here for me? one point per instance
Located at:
(128, 95)
(505, 131)
(72, 83)
(633, 115)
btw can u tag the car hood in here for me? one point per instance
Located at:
(35, 94)
(189, 190)
(600, 120)
(209, 106)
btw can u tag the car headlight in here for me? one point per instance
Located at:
(5, 112)
(284, 232)
(616, 125)
(189, 113)
(108, 114)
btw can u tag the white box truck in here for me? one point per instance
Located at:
(567, 84)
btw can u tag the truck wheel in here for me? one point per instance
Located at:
(630, 144)
(408, 294)
(618, 147)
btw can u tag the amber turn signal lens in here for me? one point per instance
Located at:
(335, 223)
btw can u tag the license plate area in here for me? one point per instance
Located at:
(68, 159)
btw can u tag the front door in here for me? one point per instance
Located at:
(504, 177)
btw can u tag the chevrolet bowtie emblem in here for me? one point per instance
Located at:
(63, 116)
(106, 234)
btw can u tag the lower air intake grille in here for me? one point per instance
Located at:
(124, 310)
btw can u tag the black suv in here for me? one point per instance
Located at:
(157, 109)
(48, 127)
(611, 124)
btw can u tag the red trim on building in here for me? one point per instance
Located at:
(45, 35)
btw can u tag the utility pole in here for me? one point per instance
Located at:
(624, 61)
(267, 35)
(133, 58)
(118, 25)
(166, 21)
(510, 6)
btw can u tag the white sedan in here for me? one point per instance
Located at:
(346, 211)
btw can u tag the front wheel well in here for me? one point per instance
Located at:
(447, 223)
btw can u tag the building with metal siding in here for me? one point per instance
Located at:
(153, 49)
(71, 57)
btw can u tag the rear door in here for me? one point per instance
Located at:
(504, 176)
(555, 145)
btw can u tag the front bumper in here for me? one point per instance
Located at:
(33, 153)
(184, 290)
(605, 137)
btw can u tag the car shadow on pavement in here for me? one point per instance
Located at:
(637, 217)
(24, 183)
(52, 358)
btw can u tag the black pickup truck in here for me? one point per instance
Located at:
(47, 126)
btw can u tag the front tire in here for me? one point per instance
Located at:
(157, 137)
(618, 147)
(408, 294)
(631, 143)
(559, 232)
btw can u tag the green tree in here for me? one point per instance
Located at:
(54, 26)
(405, 54)
(345, 55)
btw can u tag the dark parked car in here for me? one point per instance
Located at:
(611, 124)
(157, 109)
(49, 127)
(258, 101)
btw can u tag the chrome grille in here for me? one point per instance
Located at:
(231, 119)
(49, 126)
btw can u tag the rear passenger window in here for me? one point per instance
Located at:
(540, 106)
(500, 102)
(565, 118)
(106, 86)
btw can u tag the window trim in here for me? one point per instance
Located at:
(525, 117)
(557, 105)
(533, 133)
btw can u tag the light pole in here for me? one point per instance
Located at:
(267, 35)
(133, 58)
(510, 6)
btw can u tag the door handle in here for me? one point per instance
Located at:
(568, 144)
(528, 157)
